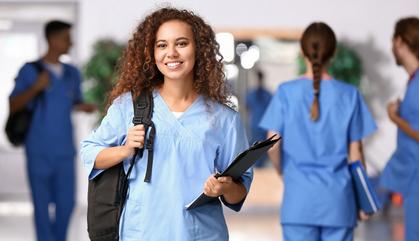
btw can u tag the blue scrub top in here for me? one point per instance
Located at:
(187, 150)
(318, 186)
(51, 131)
(404, 163)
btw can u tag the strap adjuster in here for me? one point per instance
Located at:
(137, 120)
(149, 146)
(141, 105)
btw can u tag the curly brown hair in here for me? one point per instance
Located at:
(137, 70)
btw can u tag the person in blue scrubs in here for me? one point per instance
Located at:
(174, 54)
(52, 95)
(256, 102)
(322, 122)
(401, 173)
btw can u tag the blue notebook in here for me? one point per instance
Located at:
(366, 197)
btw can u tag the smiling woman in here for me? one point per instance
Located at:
(139, 69)
(174, 55)
(175, 50)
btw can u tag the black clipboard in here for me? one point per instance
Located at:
(239, 165)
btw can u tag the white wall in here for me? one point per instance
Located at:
(367, 25)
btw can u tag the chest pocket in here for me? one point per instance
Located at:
(63, 90)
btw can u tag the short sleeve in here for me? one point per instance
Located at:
(235, 143)
(25, 78)
(273, 118)
(110, 133)
(362, 122)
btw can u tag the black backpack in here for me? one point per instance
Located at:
(107, 192)
(18, 123)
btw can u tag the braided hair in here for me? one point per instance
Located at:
(318, 44)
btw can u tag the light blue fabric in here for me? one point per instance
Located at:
(51, 129)
(316, 233)
(318, 186)
(404, 163)
(187, 150)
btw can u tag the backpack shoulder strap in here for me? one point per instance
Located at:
(38, 65)
(143, 109)
(143, 112)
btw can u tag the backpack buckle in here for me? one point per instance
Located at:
(137, 120)
(141, 105)
(149, 146)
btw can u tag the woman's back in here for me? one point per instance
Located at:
(323, 142)
(314, 153)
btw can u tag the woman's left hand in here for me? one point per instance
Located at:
(215, 187)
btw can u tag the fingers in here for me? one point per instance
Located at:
(215, 187)
(363, 216)
(138, 128)
(136, 137)
(226, 179)
(42, 81)
(212, 187)
(208, 191)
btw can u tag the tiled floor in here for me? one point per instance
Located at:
(258, 220)
(263, 225)
(248, 225)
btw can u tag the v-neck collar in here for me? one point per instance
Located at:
(162, 109)
(166, 108)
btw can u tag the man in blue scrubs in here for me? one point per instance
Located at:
(52, 94)
(402, 171)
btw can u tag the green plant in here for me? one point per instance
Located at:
(99, 72)
(345, 65)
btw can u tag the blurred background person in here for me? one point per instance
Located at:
(322, 122)
(52, 94)
(401, 173)
(257, 100)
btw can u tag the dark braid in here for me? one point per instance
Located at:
(316, 65)
(318, 44)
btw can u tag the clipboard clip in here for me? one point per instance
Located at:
(269, 139)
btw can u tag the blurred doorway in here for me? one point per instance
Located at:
(246, 53)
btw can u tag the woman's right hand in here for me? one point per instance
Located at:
(135, 139)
